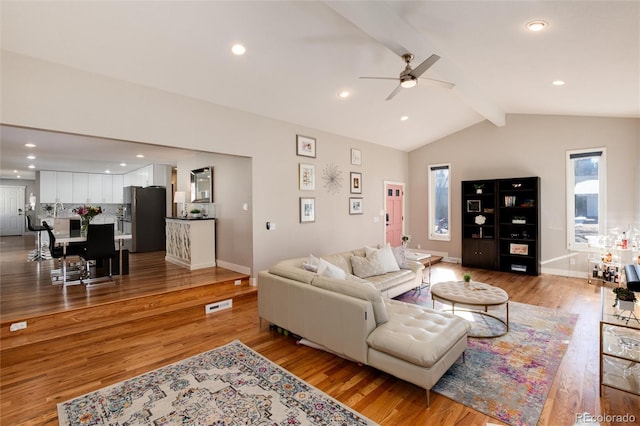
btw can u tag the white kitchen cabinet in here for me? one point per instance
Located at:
(116, 189)
(48, 187)
(56, 187)
(65, 187)
(107, 188)
(95, 193)
(80, 187)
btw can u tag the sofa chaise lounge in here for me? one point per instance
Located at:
(354, 318)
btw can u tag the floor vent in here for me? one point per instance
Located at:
(218, 306)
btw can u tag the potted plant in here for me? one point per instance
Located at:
(406, 239)
(467, 279)
(625, 299)
(478, 188)
(194, 212)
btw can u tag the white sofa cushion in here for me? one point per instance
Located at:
(385, 256)
(417, 334)
(365, 267)
(311, 264)
(359, 289)
(400, 253)
(329, 270)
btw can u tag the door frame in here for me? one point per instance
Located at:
(384, 206)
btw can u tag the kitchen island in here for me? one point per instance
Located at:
(191, 242)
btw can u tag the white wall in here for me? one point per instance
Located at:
(531, 145)
(43, 95)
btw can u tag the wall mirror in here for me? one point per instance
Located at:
(202, 185)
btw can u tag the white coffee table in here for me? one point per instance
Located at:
(474, 294)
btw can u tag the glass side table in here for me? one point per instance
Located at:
(619, 345)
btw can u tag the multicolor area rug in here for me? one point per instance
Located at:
(230, 385)
(508, 377)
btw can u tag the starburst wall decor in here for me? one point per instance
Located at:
(332, 177)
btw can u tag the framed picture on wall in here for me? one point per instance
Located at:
(356, 157)
(473, 206)
(307, 209)
(355, 205)
(305, 146)
(307, 177)
(356, 183)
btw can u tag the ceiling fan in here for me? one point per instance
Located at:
(409, 76)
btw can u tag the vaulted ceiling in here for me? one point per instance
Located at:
(301, 54)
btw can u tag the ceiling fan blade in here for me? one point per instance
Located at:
(381, 78)
(425, 65)
(395, 92)
(439, 83)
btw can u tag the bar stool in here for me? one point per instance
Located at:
(38, 253)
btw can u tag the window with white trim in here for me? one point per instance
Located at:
(439, 202)
(586, 196)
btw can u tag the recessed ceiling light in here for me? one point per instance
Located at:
(344, 94)
(31, 157)
(107, 171)
(30, 145)
(404, 118)
(15, 171)
(18, 176)
(537, 25)
(140, 156)
(123, 164)
(238, 49)
(31, 166)
(558, 83)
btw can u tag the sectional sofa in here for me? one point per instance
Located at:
(326, 303)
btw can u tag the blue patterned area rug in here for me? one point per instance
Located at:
(230, 385)
(509, 377)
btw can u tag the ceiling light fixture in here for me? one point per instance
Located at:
(409, 82)
(30, 145)
(107, 171)
(558, 83)
(31, 157)
(344, 94)
(238, 49)
(537, 25)
(123, 164)
(404, 118)
(31, 166)
(140, 156)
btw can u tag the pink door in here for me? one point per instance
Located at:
(394, 215)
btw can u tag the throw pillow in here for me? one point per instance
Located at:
(311, 264)
(369, 266)
(400, 253)
(329, 270)
(386, 257)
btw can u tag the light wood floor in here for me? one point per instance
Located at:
(37, 376)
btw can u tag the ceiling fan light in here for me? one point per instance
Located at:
(409, 83)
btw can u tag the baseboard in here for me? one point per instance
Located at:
(564, 273)
(451, 259)
(233, 267)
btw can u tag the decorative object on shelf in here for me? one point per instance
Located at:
(473, 206)
(306, 177)
(179, 197)
(406, 239)
(355, 205)
(478, 188)
(509, 200)
(356, 157)
(332, 177)
(521, 249)
(194, 213)
(307, 209)
(87, 213)
(480, 219)
(625, 299)
(519, 220)
(356, 183)
(305, 146)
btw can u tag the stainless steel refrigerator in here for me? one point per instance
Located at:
(144, 213)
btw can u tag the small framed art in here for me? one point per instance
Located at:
(356, 157)
(473, 206)
(356, 183)
(355, 205)
(307, 177)
(305, 146)
(307, 209)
